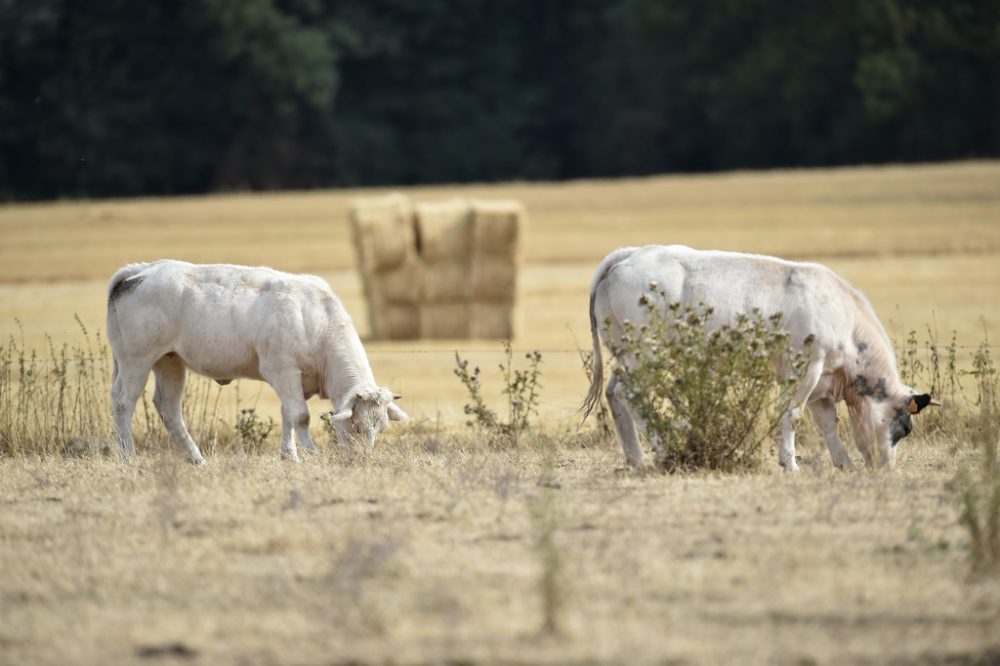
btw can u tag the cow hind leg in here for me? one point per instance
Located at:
(169, 372)
(128, 384)
(824, 413)
(624, 423)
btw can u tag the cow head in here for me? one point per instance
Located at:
(363, 414)
(891, 421)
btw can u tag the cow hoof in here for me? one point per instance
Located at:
(200, 460)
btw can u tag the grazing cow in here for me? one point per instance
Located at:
(228, 322)
(851, 356)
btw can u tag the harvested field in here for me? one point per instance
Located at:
(441, 548)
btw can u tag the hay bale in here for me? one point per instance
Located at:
(399, 285)
(492, 321)
(444, 321)
(445, 282)
(439, 270)
(444, 231)
(383, 232)
(401, 322)
(493, 278)
(496, 226)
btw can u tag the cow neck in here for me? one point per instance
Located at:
(876, 374)
(347, 368)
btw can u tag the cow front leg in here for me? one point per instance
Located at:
(805, 387)
(824, 413)
(169, 372)
(287, 383)
(624, 423)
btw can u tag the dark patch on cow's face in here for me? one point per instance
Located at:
(866, 389)
(124, 287)
(862, 347)
(901, 426)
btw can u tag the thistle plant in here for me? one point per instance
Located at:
(521, 388)
(252, 429)
(707, 394)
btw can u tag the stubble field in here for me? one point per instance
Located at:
(440, 548)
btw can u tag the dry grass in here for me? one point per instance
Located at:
(440, 549)
(922, 242)
(430, 552)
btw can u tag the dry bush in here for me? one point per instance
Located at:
(56, 403)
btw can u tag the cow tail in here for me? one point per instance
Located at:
(597, 365)
(116, 288)
(597, 362)
(122, 274)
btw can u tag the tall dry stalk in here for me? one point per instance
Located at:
(979, 490)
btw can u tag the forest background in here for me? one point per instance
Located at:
(118, 98)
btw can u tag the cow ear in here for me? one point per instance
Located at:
(397, 414)
(918, 402)
(345, 410)
(342, 415)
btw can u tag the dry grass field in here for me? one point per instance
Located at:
(439, 548)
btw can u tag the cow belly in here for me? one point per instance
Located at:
(225, 363)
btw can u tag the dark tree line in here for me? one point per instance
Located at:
(119, 97)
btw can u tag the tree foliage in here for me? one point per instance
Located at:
(108, 97)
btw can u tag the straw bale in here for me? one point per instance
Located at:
(491, 321)
(444, 321)
(445, 282)
(443, 230)
(402, 322)
(497, 226)
(493, 278)
(383, 232)
(400, 285)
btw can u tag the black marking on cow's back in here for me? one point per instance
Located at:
(123, 287)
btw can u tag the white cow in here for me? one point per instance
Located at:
(228, 322)
(851, 359)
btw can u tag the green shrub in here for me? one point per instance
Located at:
(709, 398)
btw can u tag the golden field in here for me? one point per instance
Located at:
(428, 550)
